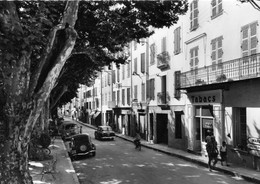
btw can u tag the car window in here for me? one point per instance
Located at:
(84, 139)
(107, 128)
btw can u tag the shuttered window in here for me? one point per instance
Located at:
(135, 92)
(128, 70)
(216, 8)
(152, 89)
(249, 39)
(217, 53)
(123, 96)
(143, 62)
(143, 91)
(123, 72)
(194, 13)
(113, 76)
(152, 54)
(128, 96)
(194, 60)
(135, 65)
(177, 40)
(118, 75)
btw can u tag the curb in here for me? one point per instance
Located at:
(74, 175)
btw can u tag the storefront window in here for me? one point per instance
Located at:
(204, 121)
(207, 110)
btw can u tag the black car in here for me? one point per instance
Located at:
(80, 145)
(104, 132)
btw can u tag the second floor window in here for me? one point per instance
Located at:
(216, 8)
(194, 59)
(194, 14)
(249, 39)
(217, 53)
(123, 72)
(152, 54)
(128, 70)
(177, 40)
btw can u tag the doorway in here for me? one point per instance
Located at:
(161, 127)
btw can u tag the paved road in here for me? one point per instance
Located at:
(117, 162)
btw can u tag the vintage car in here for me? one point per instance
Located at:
(68, 128)
(104, 132)
(80, 145)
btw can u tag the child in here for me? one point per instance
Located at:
(223, 153)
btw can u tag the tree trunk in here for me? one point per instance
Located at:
(21, 111)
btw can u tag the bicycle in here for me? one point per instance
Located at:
(38, 147)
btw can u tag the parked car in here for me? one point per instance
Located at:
(80, 144)
(68, 128)
(104, 132)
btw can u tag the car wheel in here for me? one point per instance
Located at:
(94, 154)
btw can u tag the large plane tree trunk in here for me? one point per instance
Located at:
(21, 104)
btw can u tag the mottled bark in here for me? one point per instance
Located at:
(23, 107)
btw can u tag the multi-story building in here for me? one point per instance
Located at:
(200, 75)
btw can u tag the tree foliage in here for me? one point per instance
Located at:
(45, 52)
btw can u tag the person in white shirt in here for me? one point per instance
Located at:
(223, 153)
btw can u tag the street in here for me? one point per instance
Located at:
(118, 162)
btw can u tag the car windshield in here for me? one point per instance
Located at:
(107, 128)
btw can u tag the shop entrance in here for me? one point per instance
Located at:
(203, 125)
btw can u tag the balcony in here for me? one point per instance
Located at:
(233, 70)
(163, 60)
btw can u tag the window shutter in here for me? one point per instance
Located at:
(143, 62)
(135, 65)
(163, 44)
(143, 91)
(253, 39)
(152, 89)
(148, 88)
(175, 41)
(179, 40)
(196, 56)
(128, 96)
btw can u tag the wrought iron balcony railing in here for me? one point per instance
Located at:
(233, 70)
(163, 60)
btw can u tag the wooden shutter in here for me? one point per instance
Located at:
(253, 38)
(143, 62)
(245, 44)
(143, 91)
(123, 96)
(128, 96)
(148, 89)
(163, 44)
(152, 95)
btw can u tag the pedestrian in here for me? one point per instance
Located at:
(223, 153)
(212, 150)
(208, 137)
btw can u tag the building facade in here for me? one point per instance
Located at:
(200, 75)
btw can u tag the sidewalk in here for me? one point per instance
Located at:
(64, 173)
(246, 173)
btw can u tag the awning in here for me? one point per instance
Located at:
(97, 114)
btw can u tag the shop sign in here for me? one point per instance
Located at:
(206, 97)
(207, 123)
(254, 146)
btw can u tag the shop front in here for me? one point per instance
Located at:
(204, 116)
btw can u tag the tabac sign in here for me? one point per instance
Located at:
(207, 97)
